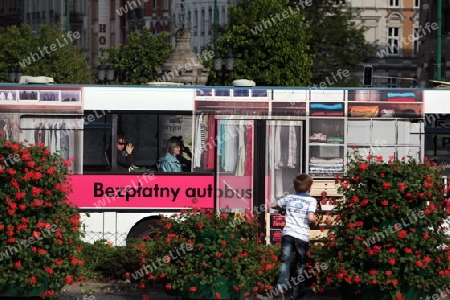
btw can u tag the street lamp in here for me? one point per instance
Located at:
(14, 74)
(105, 75)
(223, 64)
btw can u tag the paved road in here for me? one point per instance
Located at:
(95, 291)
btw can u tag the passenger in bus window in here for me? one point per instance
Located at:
(185, 156)
(125, 157)
(169, 162)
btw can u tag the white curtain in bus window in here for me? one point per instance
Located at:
(283, 154)
(358, 132)
(412, 151)
(386, 152)
(383, 132)
(60, 135)
(228, 144)
(9, 124)
(235, 163)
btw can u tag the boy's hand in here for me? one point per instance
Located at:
(275, 206)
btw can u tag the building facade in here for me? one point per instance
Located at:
(394, 26)
(10, 12)
(198, 18)
(428, 56)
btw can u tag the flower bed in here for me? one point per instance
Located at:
(390, 236)
(203, 254)
(39, 230)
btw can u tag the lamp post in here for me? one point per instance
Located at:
(14, 74)
(223, 64)
(105, 75)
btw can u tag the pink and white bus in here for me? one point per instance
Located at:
(246, 144)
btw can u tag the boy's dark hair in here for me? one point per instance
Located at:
(302, 183)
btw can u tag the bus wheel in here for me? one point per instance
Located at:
(146, 229)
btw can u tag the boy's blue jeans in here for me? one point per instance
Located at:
(290, 246)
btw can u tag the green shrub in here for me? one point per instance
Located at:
(106, 262)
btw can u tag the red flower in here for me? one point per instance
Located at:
(388, 273)
(420, 264)
(32, 280)
(402, 233)
(200, 225)
(49, 270)
(372, 272)
(217, 295)
(192, 289)
(386, 185)
(399, 297)
(391, 261)
(364, 202)
(37, 175)
(20, 195)
(35, 191)
(408, 250)
(394, 282)
(362, 167)
(68, 279)
(51, 170)
(18, 264)
(168, 286)
(384, 202)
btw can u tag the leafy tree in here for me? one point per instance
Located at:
(51, 53)
(136, 62)
(337, 41)
(269, 41)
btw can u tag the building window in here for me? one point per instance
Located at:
(154, 4)
(394, 3)
(416, 42)
(394, 40)
(392, 82)
(166, 4)
(195, 24)
(210, 18)
(202, 23)
(189, 20)
(416, 3)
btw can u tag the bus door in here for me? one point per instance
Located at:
(256, 160)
